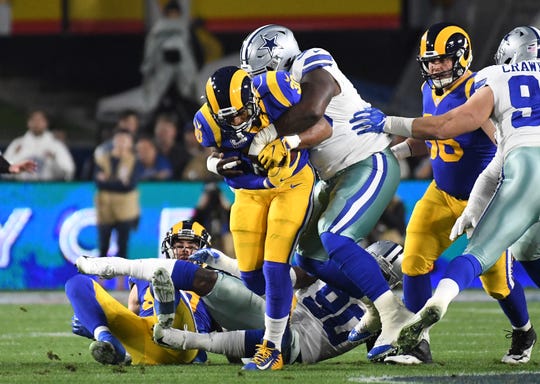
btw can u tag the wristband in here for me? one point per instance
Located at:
(401, 126)
(401, 150)
(211, 164)
(292, 142)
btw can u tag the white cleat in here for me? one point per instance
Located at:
(99, 266)
(164, 294)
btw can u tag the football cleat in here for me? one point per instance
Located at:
(99, 266)
(267, 357)
(521, 348)
(164, 295)
(411, 332)
(368, 326)
(420, 354)
(386, 342)
(108, 350)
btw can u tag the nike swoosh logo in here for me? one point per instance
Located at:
(295, 185)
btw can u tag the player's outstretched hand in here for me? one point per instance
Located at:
(208, 256)
(368, 120)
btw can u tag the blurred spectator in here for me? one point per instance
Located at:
(152, 166)
(169, 65)
(391, 226)
(53, 159)
(195, 169)
(166, 139)
(117, 198)
(129, 121)
(213, 211)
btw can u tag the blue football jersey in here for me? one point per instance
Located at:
(276, 92)
(456, 162)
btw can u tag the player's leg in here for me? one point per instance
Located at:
(89, 302)
(488, 239)
(427, 237)
(248, 227)
(358, 199)
(288, 213)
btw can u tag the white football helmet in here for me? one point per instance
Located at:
(389, 256)
(268, 48)
(521, 43)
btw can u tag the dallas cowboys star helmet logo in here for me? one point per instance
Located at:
(269, 44)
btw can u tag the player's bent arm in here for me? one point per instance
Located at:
(465, 118)
(318, 88)
(133, 300)
(315, 134)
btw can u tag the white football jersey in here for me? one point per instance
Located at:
(321, 322)
(344, 147)
(516, 112)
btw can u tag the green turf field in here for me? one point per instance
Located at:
(37, 346)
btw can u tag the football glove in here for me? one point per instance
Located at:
(368, 120)
(277, 175)
(465, 223)
(215, 259)
(274, 154)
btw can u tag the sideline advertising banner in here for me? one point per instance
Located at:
(44, 227)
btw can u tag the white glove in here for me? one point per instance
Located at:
(262, 139)
(465, 223)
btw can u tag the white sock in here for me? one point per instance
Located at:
(139, 268)
(446, 291)
(230, 343)
(274, 330)
(98, 330)
(524, 328)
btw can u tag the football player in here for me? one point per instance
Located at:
(270, 206)
(359, 175)
(445, 56)
(122, 334)
(508, 94)
(320, 321)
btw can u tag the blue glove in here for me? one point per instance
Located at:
(368, 120)
(204, 256)
(79, 329)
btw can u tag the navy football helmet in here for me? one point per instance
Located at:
(440, 41)
(229, 94)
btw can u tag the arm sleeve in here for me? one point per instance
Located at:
(485, 185)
